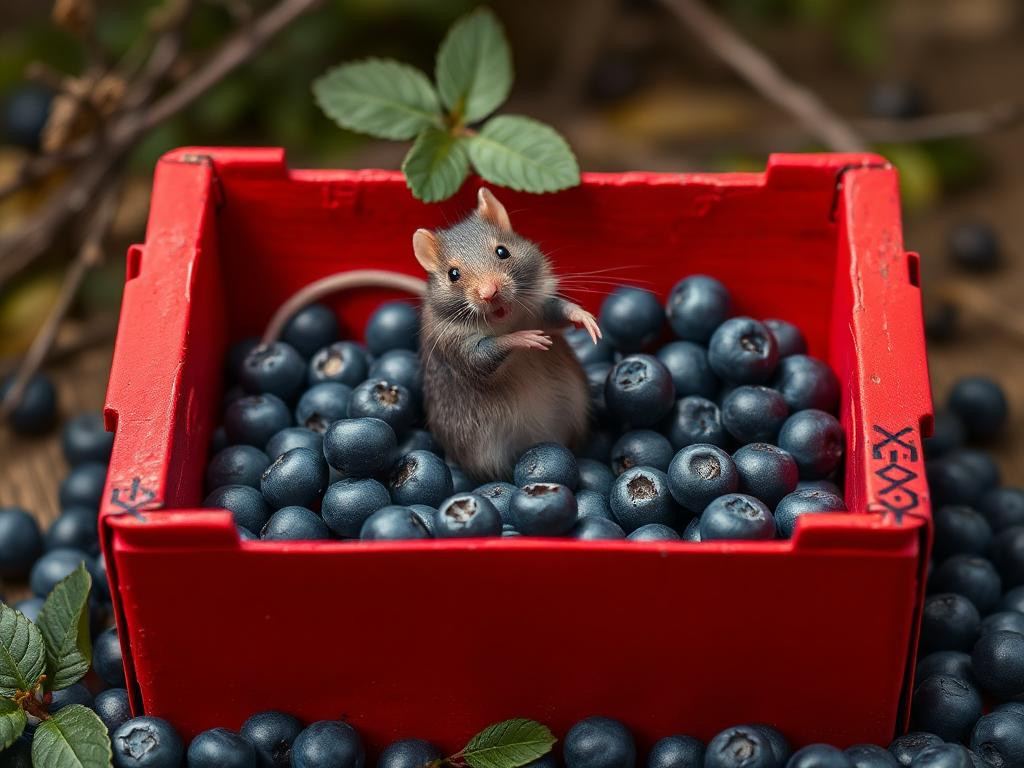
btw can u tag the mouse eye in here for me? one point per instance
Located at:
(454, 274)
(502, 252)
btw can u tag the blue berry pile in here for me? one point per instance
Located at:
(728, 431)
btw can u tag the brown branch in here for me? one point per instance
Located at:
(943, 126)
(758, 70)
(981, 304)
(93, 333)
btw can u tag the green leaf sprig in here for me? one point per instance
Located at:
(508, 744)
(390, 100)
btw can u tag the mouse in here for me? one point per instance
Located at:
(498, 377)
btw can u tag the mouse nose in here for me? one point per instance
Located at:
(488, 290)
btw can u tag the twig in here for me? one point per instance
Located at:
(761, 72)
(93, 333)
(943, 126)
(90, 254)
(981, 304)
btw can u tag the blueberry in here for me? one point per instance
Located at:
(400, 366)
(296, 478)
(84, 439)
(394, 522)
(53, 567)
(466, 515)
(699, 474)
(959, 530)
(946, 706)
(246, 504)
(594, 528)
(349, 502)
(218, 440)
(1008, 621)
(1008, 556)
(754, 414)
(787, 336)
(26, 110)
(461, 482)
(962, 476)
(980, 404)
(237, 465)
(870, 756)
(766, 471)
(677, 752)
(83, 486)
(896, 100)
(952, 663)
(420, 478)
(998, 663)
(328, 743)
(743, 746)
(113, 707)
(631, 319)
(639, 391)
(593, 504)
(394, 325)
(547, 463)
(777, 742)
(941, 321)
(942, 756)
(73, 694)
(30, 607)
(500, 495)
(275, 369)
(311, 328)
(1003, 507)
(543, 509)
(595, 476)
(819, 485)
(36, 411)
(819, 756)
(690, 369)
(692, 530)
(736, 516)
(641, 448)
(106, 658)
(21, 543)
(999, 738)
(597, 380)
(322, 404)
(425, 514)
(343, 362)
(272, 733)
(586, 350)
(253, 420)
(294, 523)
(599, 742)
(147, 742)
(971, 576)
(696, 306)
(19, 754)
(292, 437)
(948, 434)
(418, 440)
(815, 440)
(654, 532)
(381, 399)
(598, 446)
(1013, 600)
(75, 528)
(696, 420)
(220, 748)
(974, 246)
(640, 496)
(236, 355)
(360, 447)
(904, 748)
(743, 351)
(408, 753)
(806, 382)
(1011, 706)
(950, 623)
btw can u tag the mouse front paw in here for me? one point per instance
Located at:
(579, 317)
(527, 340)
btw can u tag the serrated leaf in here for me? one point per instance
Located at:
(12, 722)
(474, 66)
(523, 154)
(74, 737)
(380, 97)
(508, 744)
(64, 624)
(22, 654)
(436, 165)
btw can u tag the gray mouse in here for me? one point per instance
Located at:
(497, 379)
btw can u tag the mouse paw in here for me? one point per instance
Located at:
(583, 319)
(527, 340)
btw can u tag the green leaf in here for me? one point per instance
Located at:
(522, 154)
(436, 165)
(12, 722)
(64, 623)
(474, 66)
(74, 737)
(508, 744)
(22, 655)
(380, 97)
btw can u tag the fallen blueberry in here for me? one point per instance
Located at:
(147, 742)
(699, 474)
(641, 496)
(974, 246)
(1002, 507)
(959, 530)
(420, 478)
(973, 577)
(106, 658)
(36, 411)
(21, 543)
(962, 476)
(84, 439)
(980, 404)
(83, 486)
(948, 434)
(543, 509)
(466, 515)
(547, 463)
(52, 568)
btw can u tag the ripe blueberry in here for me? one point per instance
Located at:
(599, 742)
(904, 748)
(736, 516)
(52, 567)
(946, 706)
(272, 733)
(106, 658)
(586, 351)
(311, 328)
(26, 109)
(85, 439)
(696, 420)
(1008, 621)
(793, 505)
(641, 448)
(962, 476)
(949, 623)
(766, 471)
(275, 369)
(343, 362)
(952, 663)
(974, 245)
(998, 737)
(692, 530)
(690, 369)
(676, 752)
(959, 530)
(819, 756)
(393, 325)
(359, 447)
(349, 502)
(500, 495)
(819, 485)
(998, 663)
(220, 748)
(699, 474)
(743, 351)
(547, 463)
(382, 399)
(654, 532)
(425, 514)
(394, 522)
(30, 606)
(1013, 600)
(328, 743)
(973, 577)
(754, 414)
(595, 476)
(466, 515)
(787, 336)
(697, 305)
(870, 756)
(640, 496)
(593, 504)
(461, 482)
(296, 478)
(942, 756)
(1008, 555)
(593, 528)
(246, 505)
(896, 100)
(294, 523)
(598, 446)
(73, 694)
(639, 391)
(420, 478)
(113, 708)
(408, 753)
(744, 746)
(36, 412)
(237, 465)
(815, 440)
(253, 420)
(807, 382)
(83, 486)
(293, 437)
(147, 742)
(543, 509)
(1002, 507)
(948, 434)
(21, 543)
(597, 379)
(980, 404)
(322, 404)
(418, 440)
(631, 319)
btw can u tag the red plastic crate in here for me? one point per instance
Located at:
(816, 634)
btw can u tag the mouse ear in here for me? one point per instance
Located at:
(490, 209)
(424, 245)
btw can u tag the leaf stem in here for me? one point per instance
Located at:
(27, 700)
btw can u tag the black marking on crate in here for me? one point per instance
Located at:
(133, 498)
(896, 450)
(839, 181)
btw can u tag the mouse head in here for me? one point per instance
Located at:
(480, 270)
